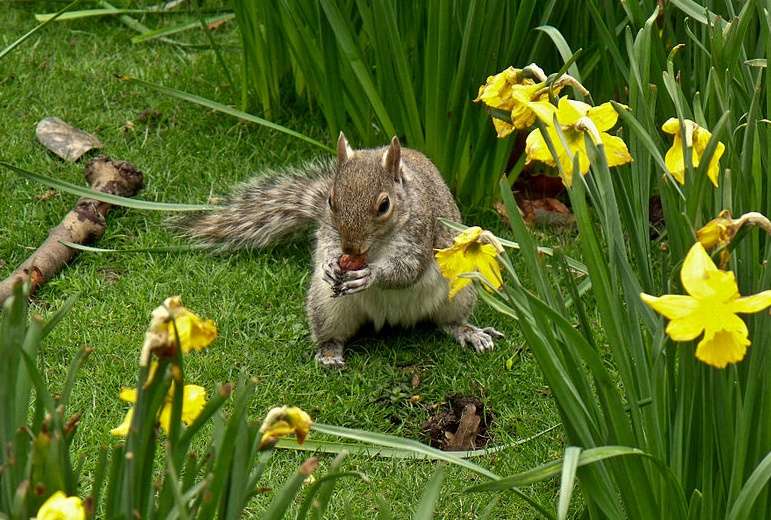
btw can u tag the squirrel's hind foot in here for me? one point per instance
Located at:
(480, 339)
(330, 355)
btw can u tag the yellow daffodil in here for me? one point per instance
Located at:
(473, 250)
(282, 421)
(496, 92)
(696, 137)
(61, 507)
(711, 307)
(193, 402)
(512, 91)
(576, 118)
(717, 232)
(194, 332)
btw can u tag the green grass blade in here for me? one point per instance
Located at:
(219, 107)
(105, 197)
(59, 315)
(167, 31)
(35, 29)
(425, 508)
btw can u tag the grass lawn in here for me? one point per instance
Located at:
(189, 154)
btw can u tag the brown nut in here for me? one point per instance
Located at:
(352, 262)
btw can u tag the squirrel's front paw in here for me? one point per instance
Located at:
(354, 281)
(332, 273)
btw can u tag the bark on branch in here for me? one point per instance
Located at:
(82, 225)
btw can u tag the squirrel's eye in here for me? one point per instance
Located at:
(329, 202)
(384, 206)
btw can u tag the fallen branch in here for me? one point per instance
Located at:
(82, 225)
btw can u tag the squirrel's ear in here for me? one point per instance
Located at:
(344, 150)
(392, 159)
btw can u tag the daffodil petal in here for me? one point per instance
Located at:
(61, 507)
(754, 303)
(675, 160)
(193, 402)
(543, 110)
(684, 329)
(671, 306)
(569, 111)
(713, 170)
(122, 429)
(695, 272)
(604, 116)
(536, 149)
(502, 128)
(616, 151)
(671, 126)
(128, 394)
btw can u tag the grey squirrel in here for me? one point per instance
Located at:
(377, 214)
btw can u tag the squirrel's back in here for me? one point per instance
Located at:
(278, 203)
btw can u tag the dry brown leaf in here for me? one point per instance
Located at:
(65, 140)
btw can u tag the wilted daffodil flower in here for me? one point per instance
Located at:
(514, 91)
(473, 250)
(194, 332)
(61, 507)
(193, 402)
(717, 232)
(282, 421)
(697, 138)
(576, 118)
(711, 307)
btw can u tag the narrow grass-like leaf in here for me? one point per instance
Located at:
(569, 467)
(35, 29)
(322, 446)
(749, 493)
(167, 31)
(166, 249)
(105, 197)
(425, 508)
(284, 496)
(219, 107)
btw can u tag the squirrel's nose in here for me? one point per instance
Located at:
(354, 249)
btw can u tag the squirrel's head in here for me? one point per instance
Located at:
(367, 194)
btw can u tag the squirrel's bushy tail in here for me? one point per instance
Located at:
(264, 209)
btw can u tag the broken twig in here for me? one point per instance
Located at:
(82, 225)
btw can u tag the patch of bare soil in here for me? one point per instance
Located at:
(459, 424)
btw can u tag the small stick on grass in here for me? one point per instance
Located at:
(82, 225)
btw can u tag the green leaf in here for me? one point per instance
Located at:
(758, 480)
(35, 29)
(425, 508)
(219, 107)
(166, 249)
(569, 467)
(166, 31)
(105, 197)
(284, 496)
